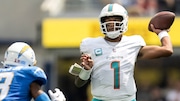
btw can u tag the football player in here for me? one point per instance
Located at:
(108, 62)
(20, 79)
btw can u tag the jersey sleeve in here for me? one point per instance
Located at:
(141, 41)
(39, 75)
(84, 45)
(138, 40)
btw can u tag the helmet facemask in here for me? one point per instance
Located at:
(119, 27)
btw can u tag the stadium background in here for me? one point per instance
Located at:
(55, 34)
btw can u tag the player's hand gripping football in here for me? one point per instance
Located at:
(57, 95)
(156, 30)
(86, 61)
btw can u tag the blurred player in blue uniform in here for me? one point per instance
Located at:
(20, 79)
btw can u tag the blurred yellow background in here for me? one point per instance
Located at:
(68, 32)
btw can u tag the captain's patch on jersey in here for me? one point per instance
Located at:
(98, 51)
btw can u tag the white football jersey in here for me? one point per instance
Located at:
(113, 71)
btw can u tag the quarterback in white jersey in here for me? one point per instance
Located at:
(109, 61)
(113, 69)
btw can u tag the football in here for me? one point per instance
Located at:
(162, 20)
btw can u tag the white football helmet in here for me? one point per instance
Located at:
(119, 27)
(19, 53)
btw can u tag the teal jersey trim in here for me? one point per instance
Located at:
(94, 99)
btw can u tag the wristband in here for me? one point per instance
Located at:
(85, 74)
(163, 34)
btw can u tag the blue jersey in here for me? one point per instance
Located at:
(15, 82)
